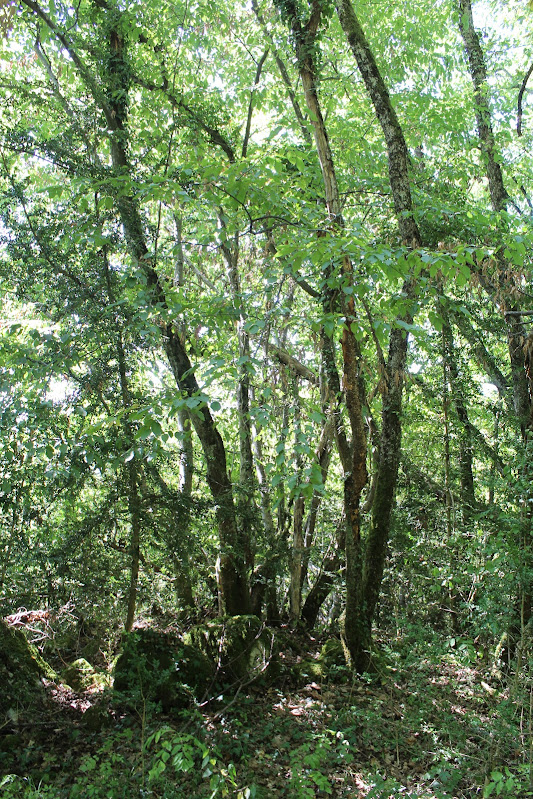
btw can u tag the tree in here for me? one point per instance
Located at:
(199, 205)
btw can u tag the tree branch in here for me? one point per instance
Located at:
(520, 98)
(251, 104)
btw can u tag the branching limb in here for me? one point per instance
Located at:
(520, 98)
(251, 103)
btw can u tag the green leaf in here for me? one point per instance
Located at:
(436, 320)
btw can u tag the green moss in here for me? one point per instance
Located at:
(241, 647)
(308, 669)
(332, 654)
(81, 676)
(329, 665)
(21, 671)
(15, 650)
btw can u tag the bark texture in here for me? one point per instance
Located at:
(398, 155)
(353, 455)
(391, 426)
(478, 73)
(466, 452)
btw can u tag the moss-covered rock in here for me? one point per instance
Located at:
(330, 664)
(159, 667)
(241, 647)
(81, 676)
(308, 669)
(21, 672)
(332, 654)
(91, 649)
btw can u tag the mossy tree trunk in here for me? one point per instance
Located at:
(353, 455)
(111, 90)
(394, 368)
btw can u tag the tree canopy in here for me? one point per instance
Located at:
(267, 336)
(267, 309)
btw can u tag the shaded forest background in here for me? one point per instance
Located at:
(267, 366)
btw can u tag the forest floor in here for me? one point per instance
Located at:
(429, 726)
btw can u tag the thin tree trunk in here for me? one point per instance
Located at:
(246, 462)
(390, 440)
(329, 575)
(447, 478)
(323, 458)
(132, 467)
(354, 457)
(398, 155)
(297, 548)
(264, 579)
(447, 454)
(233, 584)
(494, 464)
(182, 565)
(503, 295)
(296, 561)
(284, 74)
(478, 73)
(134, 508)
(466, 455)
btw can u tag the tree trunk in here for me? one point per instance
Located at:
(182, 566)
(389, 460)
(233, 585)
(390, 440)
(353, 457)
(478, 73)
(135, 541)
(466, 455)
(246, 462)
(322, 587)
(397, 152)
(297, 548)
(132, 467)
(296, 561)
(264, 579)
(503, 295)
(323, 458)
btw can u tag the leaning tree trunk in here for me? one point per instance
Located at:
(353, 457)
(232, 581)
(390, 440)
(323, 584)
(110, 90)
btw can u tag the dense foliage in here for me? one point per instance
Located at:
(266, 341)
